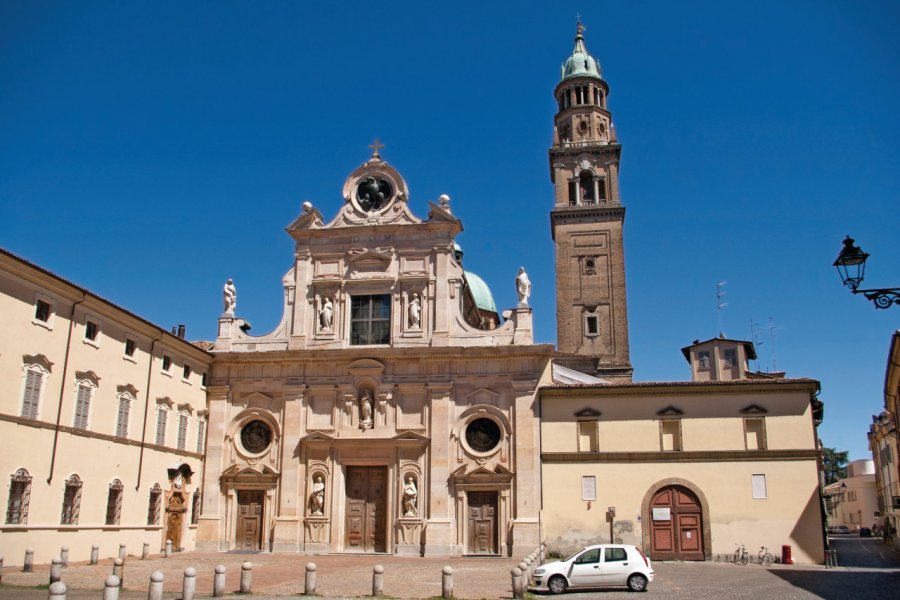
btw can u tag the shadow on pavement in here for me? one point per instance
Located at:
(840, 585)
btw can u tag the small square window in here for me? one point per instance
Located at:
(186, 372)
(42, 311)
(129, 347)
(91, 330)
(592, 326)
(730, 358)
(167, 363)
(203, 379)
(703, 359)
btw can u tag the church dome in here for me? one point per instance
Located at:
(580, 64)
(481, 293)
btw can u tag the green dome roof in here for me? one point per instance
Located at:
(481, 293)
(580, 64)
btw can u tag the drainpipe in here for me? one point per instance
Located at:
(137, 487)
(62, 388)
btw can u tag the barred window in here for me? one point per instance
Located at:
(162, 416)
(201, 435)
(71, 501)
(155, 506)
(114, 503)
(19, 497)
(195, 507)
(182, 430)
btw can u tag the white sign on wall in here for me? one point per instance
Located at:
(589, 488)
(662, 514)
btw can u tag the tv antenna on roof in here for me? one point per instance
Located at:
(720, 303)
(772, 329)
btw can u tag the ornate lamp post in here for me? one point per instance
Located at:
(851, 266)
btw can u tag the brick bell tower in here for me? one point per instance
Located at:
(586, 222)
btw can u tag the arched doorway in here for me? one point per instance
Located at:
(676, 524)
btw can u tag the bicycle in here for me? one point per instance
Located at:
(741, 556)
(765, 557)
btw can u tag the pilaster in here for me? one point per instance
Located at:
(210, 525)
(439, 529)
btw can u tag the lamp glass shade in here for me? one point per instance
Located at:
(851, 264)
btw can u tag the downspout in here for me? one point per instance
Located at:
(146, 412)
(62, 388)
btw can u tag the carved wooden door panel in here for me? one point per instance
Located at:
(676, 525)
(482, 523)
(366, 504)
(249, 521)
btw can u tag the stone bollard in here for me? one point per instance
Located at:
(119, 570)
(168, 548)
(64, 556)
(145, 551)
(28, 566)
(527, 570)
(122, 551)
(246, 576)
(309, 585)
(95, 554)
(55, 569)
(111, 588)
(156, 586)
(1, 567)
(189, 588)
(517, 587)
(447, 582)
(378, 580)
(219, 582)
(57, 591)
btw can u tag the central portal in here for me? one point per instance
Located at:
(482, 525)
(366, 509)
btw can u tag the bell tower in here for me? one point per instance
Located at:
(586, 222)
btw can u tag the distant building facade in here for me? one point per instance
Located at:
(885, 447)
(853, 500)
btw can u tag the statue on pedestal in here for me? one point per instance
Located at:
(410, 497)
(523, 286)
(229, 296)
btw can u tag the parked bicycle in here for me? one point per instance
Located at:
(741, 556)
(765, 557)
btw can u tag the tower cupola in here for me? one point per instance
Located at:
(580, 64)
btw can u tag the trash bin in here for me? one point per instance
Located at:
(786, 555)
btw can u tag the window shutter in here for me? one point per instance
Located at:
(161, 426)
(201, 433)
(32, 395)
(122, 421)
(82, 406)
(182, 430)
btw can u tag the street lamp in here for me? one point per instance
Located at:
(851, 266)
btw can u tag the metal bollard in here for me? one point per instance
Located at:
(28, 566)
(122, 551)
(219, 582)
(119, 570)
(517, 588)
(57, 591)
(246, 576)
(111, 588)
(156, 586)
(95, 554)
(168, 548)
(189, 587)
(64, 556)
(378, 580)
(55, 569)
(309, 584)
(145, 551)
(447, 582)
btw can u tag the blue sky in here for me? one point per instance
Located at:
(150, 150)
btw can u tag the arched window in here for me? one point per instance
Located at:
(154, 508)
(71, 501)
(37, 368)
(114, 502)
(19, 497)
(586, 183)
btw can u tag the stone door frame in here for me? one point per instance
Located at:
(502, 485)
(704, 514)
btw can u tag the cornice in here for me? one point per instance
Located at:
(459, 353)
(681, 388)
(679, 456)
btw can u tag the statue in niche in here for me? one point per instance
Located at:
(229, 296)
(317, 498)
(326, 314)
(410, 497)
(365, 411)
(523, 286)
(415, 312)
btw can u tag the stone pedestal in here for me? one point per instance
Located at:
(286, 535)
(317, 536)
(438, 537)
(524, 333)
(526, 536)
(409, 537)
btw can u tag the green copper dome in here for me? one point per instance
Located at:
(580, 64)
(481, 293)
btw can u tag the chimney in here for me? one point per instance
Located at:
(181, 331)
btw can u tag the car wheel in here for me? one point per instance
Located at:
(637, 583)
(557, 584)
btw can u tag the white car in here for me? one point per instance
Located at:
(603, 565)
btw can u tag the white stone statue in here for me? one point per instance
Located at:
(365, 410)
(317, 498)
(523, 286)
(326, 314)
(410, 497)
(229, 295)
(415, 312)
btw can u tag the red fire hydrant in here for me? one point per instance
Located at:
(786, 555)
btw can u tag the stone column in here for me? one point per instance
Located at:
(438, 509)
(527, 461)
(210, 526)
(290, 500)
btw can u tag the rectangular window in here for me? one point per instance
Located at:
(91, 330)
(587, 436)
(573, 194)
(730, 358)
(203, 379)
(755, 433)
(186, 372)
(33, 381)
(591, 325)
(42, 311)
(370, 320)
(201, 435)
(615, 555)
(129, 347)
(182, 430)
(601, 188)
(162, 416)
(83, 406)
(19, 498)
(71, 501)
(758, 484)
(167, 363)
(703, 359)
(122, 418)
(589, 488)
(670, 435)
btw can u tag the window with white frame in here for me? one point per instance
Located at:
(730, 358)
(130, 347)
(36, 370)
(92, 331)
(85, 385)
(182, 429)
(124, 414)
(19, 498)
(758, 485)
(155, 505)
(703, 359)
(162, 418)
(201, 435)
(186, 372)
(42, 311)
(71, 501)
(591, 323)
(166, 364)
(114, 502)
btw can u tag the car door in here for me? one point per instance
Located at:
(615, 566)
(585, 569)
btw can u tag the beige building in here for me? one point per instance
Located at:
(885, 447)
(106, 414)
(853, 500)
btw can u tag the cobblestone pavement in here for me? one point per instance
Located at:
(869, 571)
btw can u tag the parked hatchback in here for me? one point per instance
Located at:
(603, 565)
